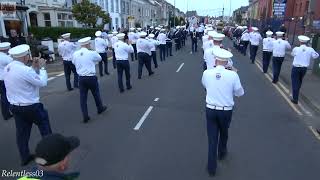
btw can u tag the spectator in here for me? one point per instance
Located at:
(14, 39)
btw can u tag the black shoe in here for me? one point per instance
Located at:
(294, 101)
(274, 82)
(150, 74)
(86, 120)
(222, 156)
(139, 77)
(8, 117)
(76, 87)
(156, 67)
(70, 89)
(121, 90)
(101, 75)
(27, 161)
(211, 173)
(107, 73)
(104, 108)
(128, 88)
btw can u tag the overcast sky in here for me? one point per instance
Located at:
(209, 7)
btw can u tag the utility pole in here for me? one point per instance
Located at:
(174, 13)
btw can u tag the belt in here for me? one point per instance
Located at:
(297, 65)
(89, 75)
(122, 59)
(267, 50)
(223, 108)
(279, 56)
(22, 104)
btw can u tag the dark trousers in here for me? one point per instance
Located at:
(114, 59)
(183, 43)
(266, 57)
(123, 66)
(154, 58)
(89, 83)
(68, 68)
(194, 46)
(5, 105)
(162, 48)
(244, 47)
(144, 59)
(177, 42)
(134, 54)
(297, 75)
(204, 66)
(218, 123)
(276, 66)
(25, 117)
(253, 52)
(105, 62)
(169, 48)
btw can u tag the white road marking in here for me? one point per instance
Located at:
(315, 133)
(282, 93)
(156, 99)
(180, 67)
(143, 118)
(61, 74)
(51, 78)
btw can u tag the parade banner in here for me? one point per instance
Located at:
(279, 8)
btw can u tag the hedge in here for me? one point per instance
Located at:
(55, 32)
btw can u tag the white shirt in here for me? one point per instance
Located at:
(207, 44)
(85, 61)
(122, 50)
(144, 45)
(279, 47)
(4, 61)
(114, 39)
(245, 36)
(267, 44)
(23, 83)
(162, 38)
(133, 37)
(100, 45)
(221, 85)
(209, 58)
(255, 38)
(205, 38)
(154, 44)
(66, 50)
(302, 55)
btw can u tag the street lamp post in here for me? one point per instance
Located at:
(295, 27)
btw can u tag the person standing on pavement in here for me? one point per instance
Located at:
(22, 84)
(255, 39)
(154, 43)
(162, 44)
(66, 50)
(302, 56)
(5, 59)
(267, 51)
(245, 39)
(169, 43)
(279, 48)
(101, 46)
(221, 85)
(114, 39)
(53, 157)
(85, 62)
(122, 51)
(144, 54)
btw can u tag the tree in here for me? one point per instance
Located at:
(239, 18)
(89, 13)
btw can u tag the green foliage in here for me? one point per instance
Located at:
(178, 21)
(55, 32)
(89, 13)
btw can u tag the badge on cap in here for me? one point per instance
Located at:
(218, 76)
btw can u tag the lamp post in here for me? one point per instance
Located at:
(295, 27)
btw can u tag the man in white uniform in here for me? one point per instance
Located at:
(302, 56)
(255, 39)
(85, 61)
(144, 54)
(267, 51)
(122, 51)
(245, 39)
(5, 59)
(133, 37)
(101, 46)
(279, 48)
(221, 85)
(23, 84)
(209, 53)
(154, 43)
(113, 40)
(162, 40)
(66, 50)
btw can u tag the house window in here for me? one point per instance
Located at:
(127, 7)
(307, 6)
(112, 6)
(106, 5)
(47, 20)
(300, 9)
(123, 7)
(117, 6)
(117, 23)
(65, 20)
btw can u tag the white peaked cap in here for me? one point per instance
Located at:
(139, 29)
(151, 36)
(66, 35)
(142, 34)
(98, 33)
(269, 33)
(222, 54)
(279, 33)
(5, 45)
(19, 51)
(255, 28)
(218, 36)
(84, 41)
(177, 27)
(303, 38)
(120, 36)
(244, 27)
(114, 32)
(132, 29)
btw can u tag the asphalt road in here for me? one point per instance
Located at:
(268, 139)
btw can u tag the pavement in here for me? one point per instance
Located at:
(157, 130)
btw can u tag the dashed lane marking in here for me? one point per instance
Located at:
(315, 133)
(61, 74)
(156, 99)
(51, 78)
(143, 118)
(180, 67)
